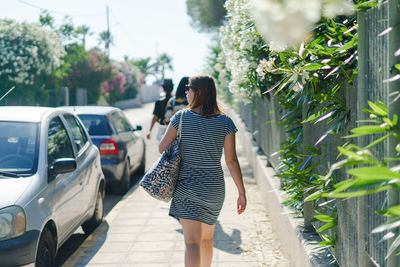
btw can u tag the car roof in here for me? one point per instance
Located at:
(24, 113)
(98, 110)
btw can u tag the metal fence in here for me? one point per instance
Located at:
(356, 217)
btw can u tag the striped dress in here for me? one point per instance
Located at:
(200, 190)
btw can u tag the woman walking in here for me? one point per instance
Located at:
(200, 190)
(178, 101)
(159, 110)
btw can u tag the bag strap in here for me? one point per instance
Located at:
(180, 125)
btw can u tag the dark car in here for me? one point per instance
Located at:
(121, 148)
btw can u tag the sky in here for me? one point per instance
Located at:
(141, 28)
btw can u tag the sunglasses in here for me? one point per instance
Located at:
(189, 87)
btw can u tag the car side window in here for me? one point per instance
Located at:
(78, 134)
(58, 143)
(118, 123)
(125, 122)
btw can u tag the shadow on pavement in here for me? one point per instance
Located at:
(225, 242)
(78, 238)
(97, 241)
(72, 244)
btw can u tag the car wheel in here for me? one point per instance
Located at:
(98, 215)
(123, 186)
(46, 252)
(142, 167)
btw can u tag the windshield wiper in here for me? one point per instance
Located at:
(9, 174)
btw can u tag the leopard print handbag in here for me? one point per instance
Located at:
(160, 180)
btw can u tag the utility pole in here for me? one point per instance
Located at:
(108, 33)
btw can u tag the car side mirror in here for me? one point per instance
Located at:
(62, 165)
(138, 128)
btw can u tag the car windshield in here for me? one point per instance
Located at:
(95, 124)
(18, 148)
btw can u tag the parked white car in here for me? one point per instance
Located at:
(51, 183)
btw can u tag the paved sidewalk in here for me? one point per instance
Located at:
(139, 232)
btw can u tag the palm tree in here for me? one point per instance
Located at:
(161, 65)
(106, 38)
(84, 31)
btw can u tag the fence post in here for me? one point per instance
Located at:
(362, 96)
(394, 45)
(81, 97)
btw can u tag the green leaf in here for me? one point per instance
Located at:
(350, 154)
(326, 227)
(352, 194)
(368, 129)
(397, 66)
(326, 243)
(313, 196)
(352, 43)
(379, 173)
(379, 108)
(393, 247)
(324, 218)
(341, 186)
(370, 111)
(365, 5)
(312, 66)
(393, 211)
(377, 141)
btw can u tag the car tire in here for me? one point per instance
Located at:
(142, 168)
(123, 186)
(46, 252)
(98, 215)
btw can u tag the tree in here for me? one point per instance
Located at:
(107, 39)
(142, 63)
(86, 69)
(83, 31)
(29, 55)
(206, 15)
(160, 66)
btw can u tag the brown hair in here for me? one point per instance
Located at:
(205, 95)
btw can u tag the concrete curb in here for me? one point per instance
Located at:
(300, 247)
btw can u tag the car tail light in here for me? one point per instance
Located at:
(109, 147)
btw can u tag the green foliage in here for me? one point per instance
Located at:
(85, 69)
(310, 83)
(29, 54)
(206, 15)
(370, 174)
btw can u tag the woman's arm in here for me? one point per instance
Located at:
(234, 169)
(168, 137)
(153, 121)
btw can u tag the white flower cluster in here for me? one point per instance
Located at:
(26, 51)
(287, 23)
(239, 37)
(265, 66)
(304, 76)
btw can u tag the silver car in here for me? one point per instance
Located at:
(51, 183)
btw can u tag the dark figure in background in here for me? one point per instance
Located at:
(178, 101)
(159, 110)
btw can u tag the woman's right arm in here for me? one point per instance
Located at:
(153, 121)
(234, 169)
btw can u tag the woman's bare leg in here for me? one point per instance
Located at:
(207, 242)
(192, 235)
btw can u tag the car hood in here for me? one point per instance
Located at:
(11, 189)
